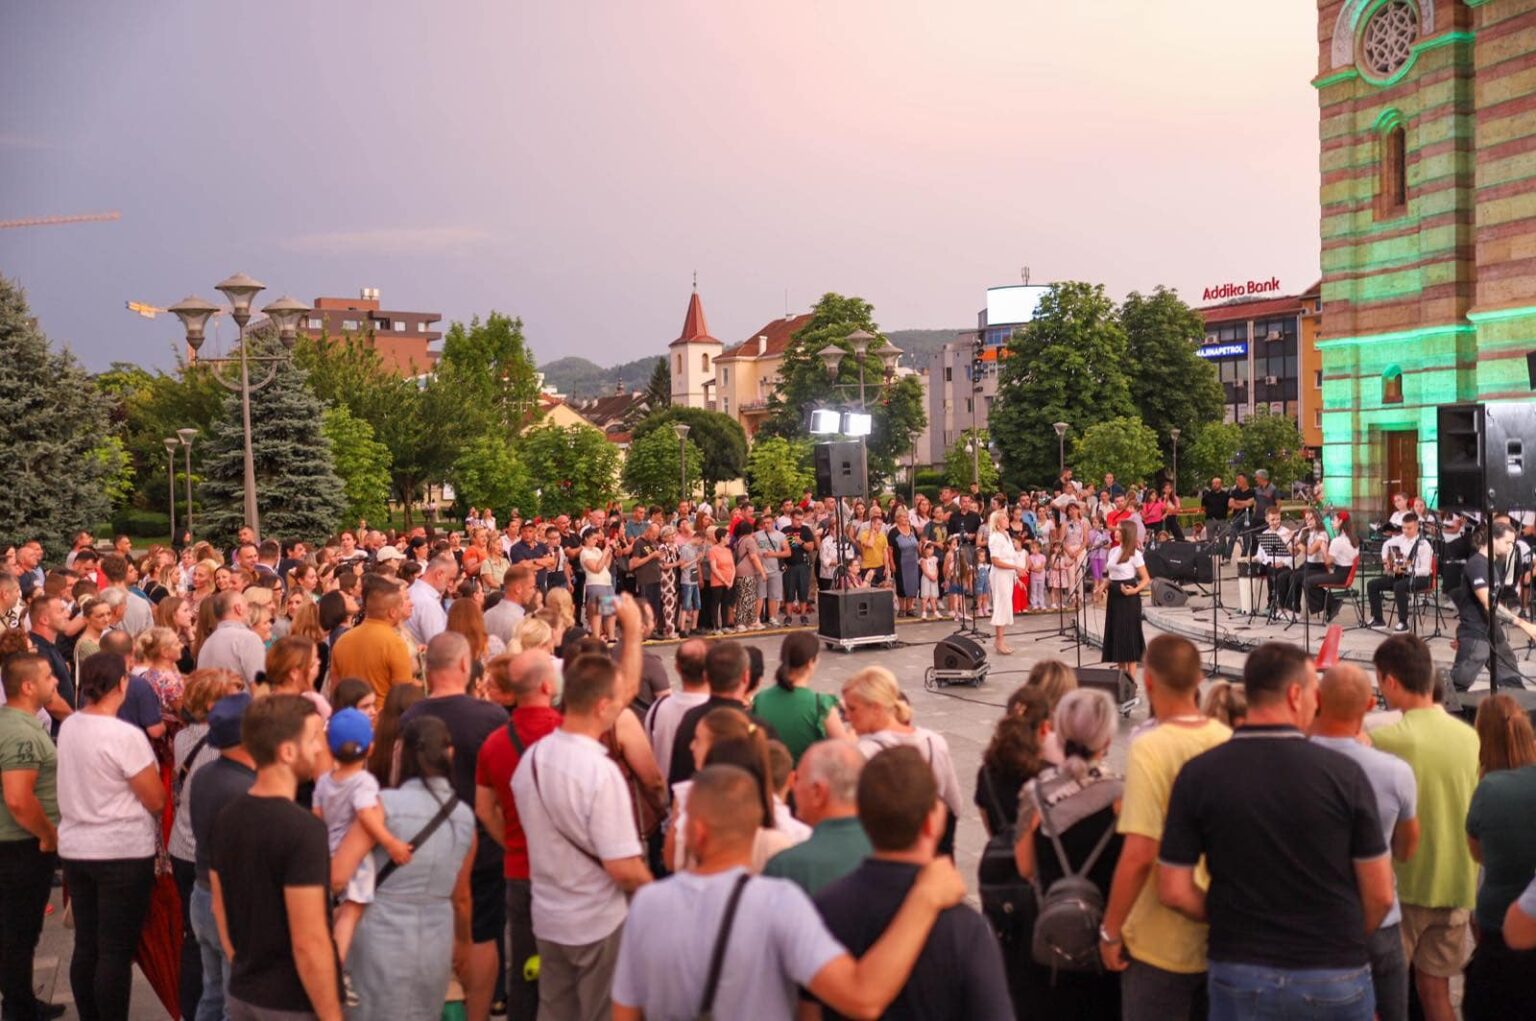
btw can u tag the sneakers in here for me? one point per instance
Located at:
(350, 993)
(805, 621)
(1376, 624)
(1399, 627)
(925, 617)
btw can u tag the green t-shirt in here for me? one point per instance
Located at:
(834, 849)
(24, 744)
(1503, 808)
(798, 716)
(1442, 751)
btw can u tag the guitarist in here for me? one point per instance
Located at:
(1477, 636)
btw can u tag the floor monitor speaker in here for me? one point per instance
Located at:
(1166, 593)
(1111, 680)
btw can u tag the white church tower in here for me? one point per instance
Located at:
(692, 357)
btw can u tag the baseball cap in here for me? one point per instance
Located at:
(348, 726)
(387, 553)
(224, 719)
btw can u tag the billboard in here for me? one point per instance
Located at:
(1013, 304)
(1236, 349)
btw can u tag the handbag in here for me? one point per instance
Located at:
(717, 956)
(422, 836)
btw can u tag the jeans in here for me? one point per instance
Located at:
(110, 898)
(215, 969)
(1149, 993)
(1254, 992)
(191, 988)
(1389, 972)
(26, 879)
(1473, 650)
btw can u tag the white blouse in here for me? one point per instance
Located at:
(1000, 550)
(1342, 552)
(1124, 570)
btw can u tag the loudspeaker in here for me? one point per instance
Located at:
(1181, 561)
(1166, 593)
(1109, 679)
(1470, 700)
(856, 615)
(958, 652)
(1483, 451)
(841, 469)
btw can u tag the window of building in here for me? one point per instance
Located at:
(1392, 385)
(1317, 419)
(725, 376)
(316, 323)
(704, 361)
(725, 405)
(1392, 185)
(383, 325)
(349, 325)
(1387, 42)
(679, 365)
(421, 326)
(399, 325)
(949, 374)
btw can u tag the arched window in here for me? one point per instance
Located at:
(704, 357)
(1392, 385)
(1392, 182)
(679, 364)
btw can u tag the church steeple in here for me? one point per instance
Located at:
(695, 328)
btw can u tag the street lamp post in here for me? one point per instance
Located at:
(681, 428)
(186, 441)
(171, 443)
(1174, 433)
(194, 314)
(1061, 447)
(860, 341)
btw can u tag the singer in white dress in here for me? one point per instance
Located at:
(1004, 571)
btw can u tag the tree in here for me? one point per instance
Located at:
(362, 463)
(1274, 442)
(961, 465)
(658, 393)
(651, 469)
(1212, 453)
(1121, 445)
(51, 429)
(576, 467)
(491, 374)
(720, 439)
(489, 473)
(1066, 365)
(1172, 386)
(147, 407)
(298, 493)
(896, 410)
(778, 470)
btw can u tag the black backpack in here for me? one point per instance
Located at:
(1066, 933)
(1007, 899)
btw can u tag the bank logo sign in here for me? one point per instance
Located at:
(1222, 292)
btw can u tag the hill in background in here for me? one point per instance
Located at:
(579, 378)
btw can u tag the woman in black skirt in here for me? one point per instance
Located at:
(1125, 578)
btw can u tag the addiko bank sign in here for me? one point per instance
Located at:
(1222, 292)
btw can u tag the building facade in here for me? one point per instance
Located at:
(1265, 353)
(747, 374)
(1428, 125)
(402, 339)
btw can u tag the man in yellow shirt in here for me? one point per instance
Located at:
(374, 650)
(1161, 953)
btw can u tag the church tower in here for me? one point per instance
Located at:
(1428, 130)
(692, 358)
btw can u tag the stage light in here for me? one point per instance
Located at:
(857, 423)
(825, 423)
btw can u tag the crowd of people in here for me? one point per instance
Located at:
(387, 771)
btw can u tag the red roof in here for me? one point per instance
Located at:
(778, 331)
(695, 329)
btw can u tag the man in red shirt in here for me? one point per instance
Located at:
(534, 682)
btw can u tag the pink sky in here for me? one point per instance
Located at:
(574, 163)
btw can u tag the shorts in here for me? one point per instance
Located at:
(595, 593)
(688, 597)
(773, 587)
(488, 905)
(797, 583)
(1436, 941)
(929, 588)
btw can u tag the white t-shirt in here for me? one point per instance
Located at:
(778, 942)
(182, 844)
(580, 808)
(1342, 552)
(663, 719)
(1123, 570)
(99, 815)
(590, 558)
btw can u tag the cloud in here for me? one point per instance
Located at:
(388, 240)
(14, 140)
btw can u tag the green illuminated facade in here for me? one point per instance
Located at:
(1428, 127)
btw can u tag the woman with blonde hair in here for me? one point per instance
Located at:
(157, 650)
(533, 633)
(292, 666)
(203, 574)
(881, 716)
(560, 601)
(258, 617)
(1005, 561)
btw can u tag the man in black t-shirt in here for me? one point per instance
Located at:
(528, 549)
(959, 972)
(1215, 502)
(730, 674)
(966, 523)
(270, 873)
(1288, 917)
(797, 568)
(470, 721)
(1482, 585)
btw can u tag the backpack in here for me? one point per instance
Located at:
(1007, 898)
(1066, 934)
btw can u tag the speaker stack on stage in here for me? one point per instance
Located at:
(850, 618)
(957, 660)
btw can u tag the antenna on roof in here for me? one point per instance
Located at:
(786, 303)
(695, 280)
(1024, 273)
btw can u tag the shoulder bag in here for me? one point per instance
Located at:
(717, 956)
(421, 837)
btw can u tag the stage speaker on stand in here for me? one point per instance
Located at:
(842, 469)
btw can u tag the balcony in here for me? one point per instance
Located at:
(757, 406)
